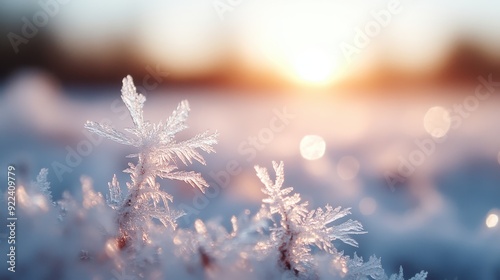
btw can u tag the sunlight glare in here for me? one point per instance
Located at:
(313, 66)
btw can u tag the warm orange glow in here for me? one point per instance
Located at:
(90, 197)
(22, 197)
(111, 247)
(33, 203)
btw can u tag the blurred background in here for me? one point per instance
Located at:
(389, 107)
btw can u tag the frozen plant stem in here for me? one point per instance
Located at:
(287, 240)
(157, 155)
(284, 249)
(126, 211)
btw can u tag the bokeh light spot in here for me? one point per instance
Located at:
(437, 121)
(312, 147)
(492, 220)
(367, 206)
(348, 168)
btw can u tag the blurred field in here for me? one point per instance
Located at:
(435, 218)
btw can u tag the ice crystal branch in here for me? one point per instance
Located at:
(157, 155)
(115, 198)
(253, 249)
(359, 270)
(419, 276)
(300, 228)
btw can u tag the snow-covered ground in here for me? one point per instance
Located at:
(433, 218)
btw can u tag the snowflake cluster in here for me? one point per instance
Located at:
(115, 237)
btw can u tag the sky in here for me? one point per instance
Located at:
(311, 42)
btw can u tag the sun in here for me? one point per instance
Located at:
(313, 66)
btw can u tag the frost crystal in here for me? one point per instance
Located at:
(419, 276)
(283, 240)
(157, 155)
(359, 270)
(300, 228)
(43, 185)
(114, 199)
